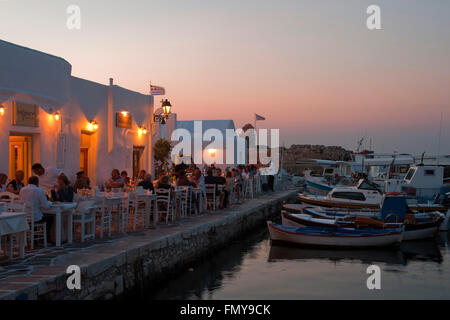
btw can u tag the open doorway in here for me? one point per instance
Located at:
(137, 161)
(20, 156)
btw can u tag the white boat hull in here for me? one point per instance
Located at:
(333, 241)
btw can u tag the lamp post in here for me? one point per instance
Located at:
(161, 117)
(166, 110)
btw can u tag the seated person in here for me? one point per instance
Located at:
(116, 180)
(35, 198)
(3, 182)
(82, 182)
(125, 177)
(163, 183)
(221, 180)
(142, 175)
(147, 183)
(16, 184)
(210, 179)
(63, 191)
(183, 181)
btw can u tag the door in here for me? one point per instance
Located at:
(84, 159)
(137, 159)
(19, 156)
(85, 144)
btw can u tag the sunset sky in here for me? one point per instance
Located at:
(312, 68)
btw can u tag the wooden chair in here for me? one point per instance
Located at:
(232, 196)
(185, 201)
(248, 188)
(138, 206)
(211, 199)
(85, 216)
(164, 203)
(38, 230)
(103, 219)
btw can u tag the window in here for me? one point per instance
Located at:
(410, 174)
(429, 172)
(349, 196)
(366, 185)
(329, 171)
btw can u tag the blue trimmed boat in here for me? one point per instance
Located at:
(335, 237)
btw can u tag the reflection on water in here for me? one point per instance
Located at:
(252, 268)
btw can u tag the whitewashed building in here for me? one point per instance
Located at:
(51, 117)
(214, 150)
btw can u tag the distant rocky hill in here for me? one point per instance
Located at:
(295, 157)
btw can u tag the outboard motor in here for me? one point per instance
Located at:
(393, 207)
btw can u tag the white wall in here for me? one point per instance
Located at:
(37, 78)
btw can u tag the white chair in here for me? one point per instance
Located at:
(186, 201)
(138, 205)
(248, 188)
(211, 199)
(85, 216)
(38, 230)
(123, 215)
(164, 203)
(8, 197)
(232, 196)
(257, 187)
(103, 219)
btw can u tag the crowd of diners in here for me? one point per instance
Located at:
(50, 184)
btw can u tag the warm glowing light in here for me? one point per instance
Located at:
(212, 152)
(166, 106)
(92, 126)
(2, 110)
(124, 113)
(57, 116)
(142, 130)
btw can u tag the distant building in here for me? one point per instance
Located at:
(218, 154)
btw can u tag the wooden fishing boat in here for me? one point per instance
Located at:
(416, 228)
(335, 237)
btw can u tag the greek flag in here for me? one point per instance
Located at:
(258, 117)
(157, 91)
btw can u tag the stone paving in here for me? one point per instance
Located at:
(43, 269)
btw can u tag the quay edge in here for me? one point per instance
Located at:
(143, 259)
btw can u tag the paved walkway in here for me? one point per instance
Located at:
(40, 267)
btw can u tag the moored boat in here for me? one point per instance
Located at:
(415, 229)
(364, 195)
(335, 237)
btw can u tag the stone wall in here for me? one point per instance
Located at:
(295, 158)
(143, 264)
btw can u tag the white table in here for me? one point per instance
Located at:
(58, 209)
(14, 223)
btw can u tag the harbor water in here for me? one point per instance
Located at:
(253, 268)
